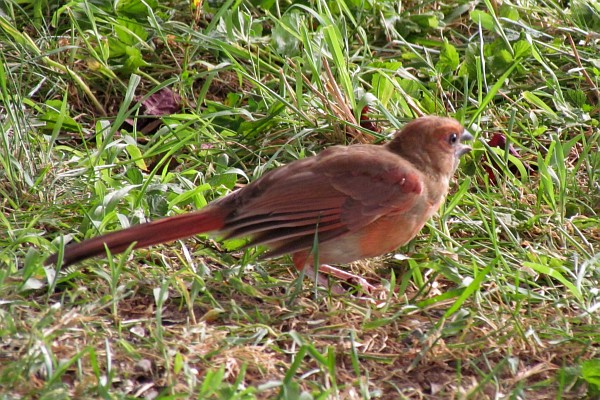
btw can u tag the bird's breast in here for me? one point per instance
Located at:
(390, 232)
(382, 236)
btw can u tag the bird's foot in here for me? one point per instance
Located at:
(353, 279)
(348, 277)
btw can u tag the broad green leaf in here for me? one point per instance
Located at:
(429, 20)
(284, 36)
(130, 32)
(521, 48)
(590, 371)
(136, 155)
(135, 8)
(509, 12)
(483, 18)
(449, 59)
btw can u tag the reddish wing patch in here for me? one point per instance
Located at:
(341, 190)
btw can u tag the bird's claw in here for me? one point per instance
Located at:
(348, 277)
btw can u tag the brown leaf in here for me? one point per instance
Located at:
(499, 140)
(163, 102)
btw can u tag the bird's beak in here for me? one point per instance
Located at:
(462, 149)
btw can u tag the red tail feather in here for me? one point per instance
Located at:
(144, 235)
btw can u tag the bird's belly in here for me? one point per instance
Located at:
(380, 237)
(389, 233)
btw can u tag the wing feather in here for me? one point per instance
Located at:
(341, 190)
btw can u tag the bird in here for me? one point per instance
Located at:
(344, 204)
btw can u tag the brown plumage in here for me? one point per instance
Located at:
(361, 201)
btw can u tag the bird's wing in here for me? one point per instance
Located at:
(341, 190)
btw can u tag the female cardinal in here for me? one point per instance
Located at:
(354, 201)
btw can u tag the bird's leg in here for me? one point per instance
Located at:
(348, 277)
(320, 279)
(303, 262)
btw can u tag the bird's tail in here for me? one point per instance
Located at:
(144, 235)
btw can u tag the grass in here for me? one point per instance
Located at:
(496, 298)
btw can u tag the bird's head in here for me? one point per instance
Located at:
(432, 144)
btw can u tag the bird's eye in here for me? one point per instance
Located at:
(453, 138)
